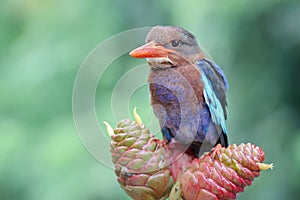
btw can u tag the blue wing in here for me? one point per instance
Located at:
(215, 86)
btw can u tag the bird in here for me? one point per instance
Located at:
(187, 89)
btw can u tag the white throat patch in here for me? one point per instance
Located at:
(163, 62)
(159, 61)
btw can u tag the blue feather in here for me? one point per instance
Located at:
(215, 107)
(220, 71)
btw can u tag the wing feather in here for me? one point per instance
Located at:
(215, 86)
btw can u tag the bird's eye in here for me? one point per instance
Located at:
(175, 43)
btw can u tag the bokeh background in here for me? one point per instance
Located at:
(43, 44)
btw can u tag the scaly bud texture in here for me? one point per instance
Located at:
(223, 173)
(145, 171)
(140, 162)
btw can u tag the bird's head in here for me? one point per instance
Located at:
(168, 46)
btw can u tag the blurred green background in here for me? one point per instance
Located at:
(43, 43)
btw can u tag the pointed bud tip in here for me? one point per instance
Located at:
(137, 117)
(109, 129)
(263, 166)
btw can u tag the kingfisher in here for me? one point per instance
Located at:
(187, 89)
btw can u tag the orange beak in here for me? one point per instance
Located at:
(150, 50)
